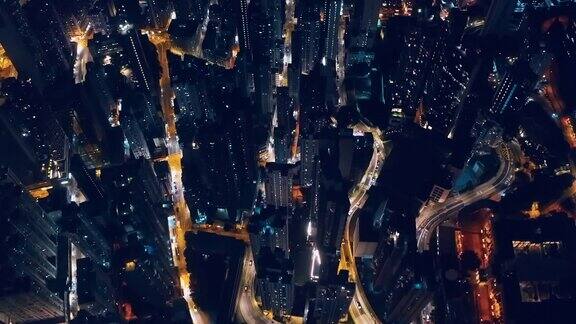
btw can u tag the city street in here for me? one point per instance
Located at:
(360, 309)
(261, 115)
(433, 215)
(181, 211)
(248, 309)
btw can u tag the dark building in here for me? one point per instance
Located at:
(35, 41)
(94, 288)
(216, 264)
(535, 263)
(274, 281)
(333, 296)
(83, 228)
(33, 144)
(279, 182)
(308, 159)
(333, 10)
(137, 201)
(365, 21)
(224, 159)
(29, 253)
(401, 277)
(309, 30)
(330, 203)
(270, 228)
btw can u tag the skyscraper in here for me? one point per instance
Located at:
(399, 275)
(18, 39)
(40, 145)
(366, 19)
(243, 26)
(274, 282)
(309, 30)
(137, 200)
(334, 9)
(29, 253)
(333, 296)
(279, 184)
(270, 228)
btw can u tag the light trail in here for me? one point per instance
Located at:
(316, 262)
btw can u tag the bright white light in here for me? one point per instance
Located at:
(125, 28)
(315, 261)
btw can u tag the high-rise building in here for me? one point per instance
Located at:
(334, 10)
(309, 31)
(330, 201)
(282, 144)
(284, 124)
(270, 229)
(448, 79)
(37, 148)
(94, 289)
(87, 179)
(190, 10)
(333, 296)
(366, 23)
(222, 153)
(29, 252)
(274, 282)
(81, 226)
(134, 136)
(245, 75)
(158, 13)
(308, 158)
(47, 24)
(498, 17)
(521, 77)
(241, 8)
(285, 108)
(536, 267)
(139, 267)
(279, 184)
(192, 99)
(399, 276)
(217, 274)
(411, 75)
(265, 89)
(138, 200)
(30, 50)
(137, 52)
(294, 77)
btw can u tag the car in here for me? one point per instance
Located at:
(251, 262)
(245, 288)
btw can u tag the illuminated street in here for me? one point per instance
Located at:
(475, 234)
(287, 161)
(181, 211)
(432, 216)
(248, 308)
(360, 308)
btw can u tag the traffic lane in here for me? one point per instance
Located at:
(431, 223)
